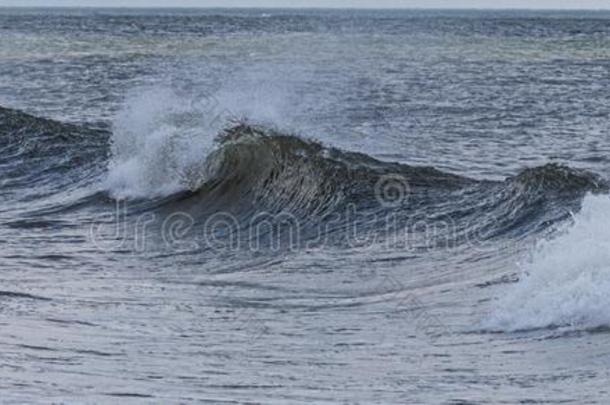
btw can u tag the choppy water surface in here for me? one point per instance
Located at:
(304, 206)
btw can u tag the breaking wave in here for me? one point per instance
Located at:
(186, 158)
(192, 159)
(190, 151)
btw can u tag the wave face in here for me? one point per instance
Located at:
(168, 151)
(566, 282)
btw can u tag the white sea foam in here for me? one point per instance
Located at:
(161, 137)
(567, 281)
(158, 137)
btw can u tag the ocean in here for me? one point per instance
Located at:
(304, 206)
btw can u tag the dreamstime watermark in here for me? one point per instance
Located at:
(249, 323)
(392, 191)
(393, 226)
(391, 222)
(409, 304)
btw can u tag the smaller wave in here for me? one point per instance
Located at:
(41, 157)
(567, 281)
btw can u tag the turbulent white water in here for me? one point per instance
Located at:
(567, 281)
(158, 139)
(162, 136)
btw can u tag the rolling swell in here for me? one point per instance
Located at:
(252, 170)
(47, 154)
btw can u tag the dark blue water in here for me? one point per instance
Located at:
(286, 206)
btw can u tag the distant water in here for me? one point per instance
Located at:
(285, 206)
